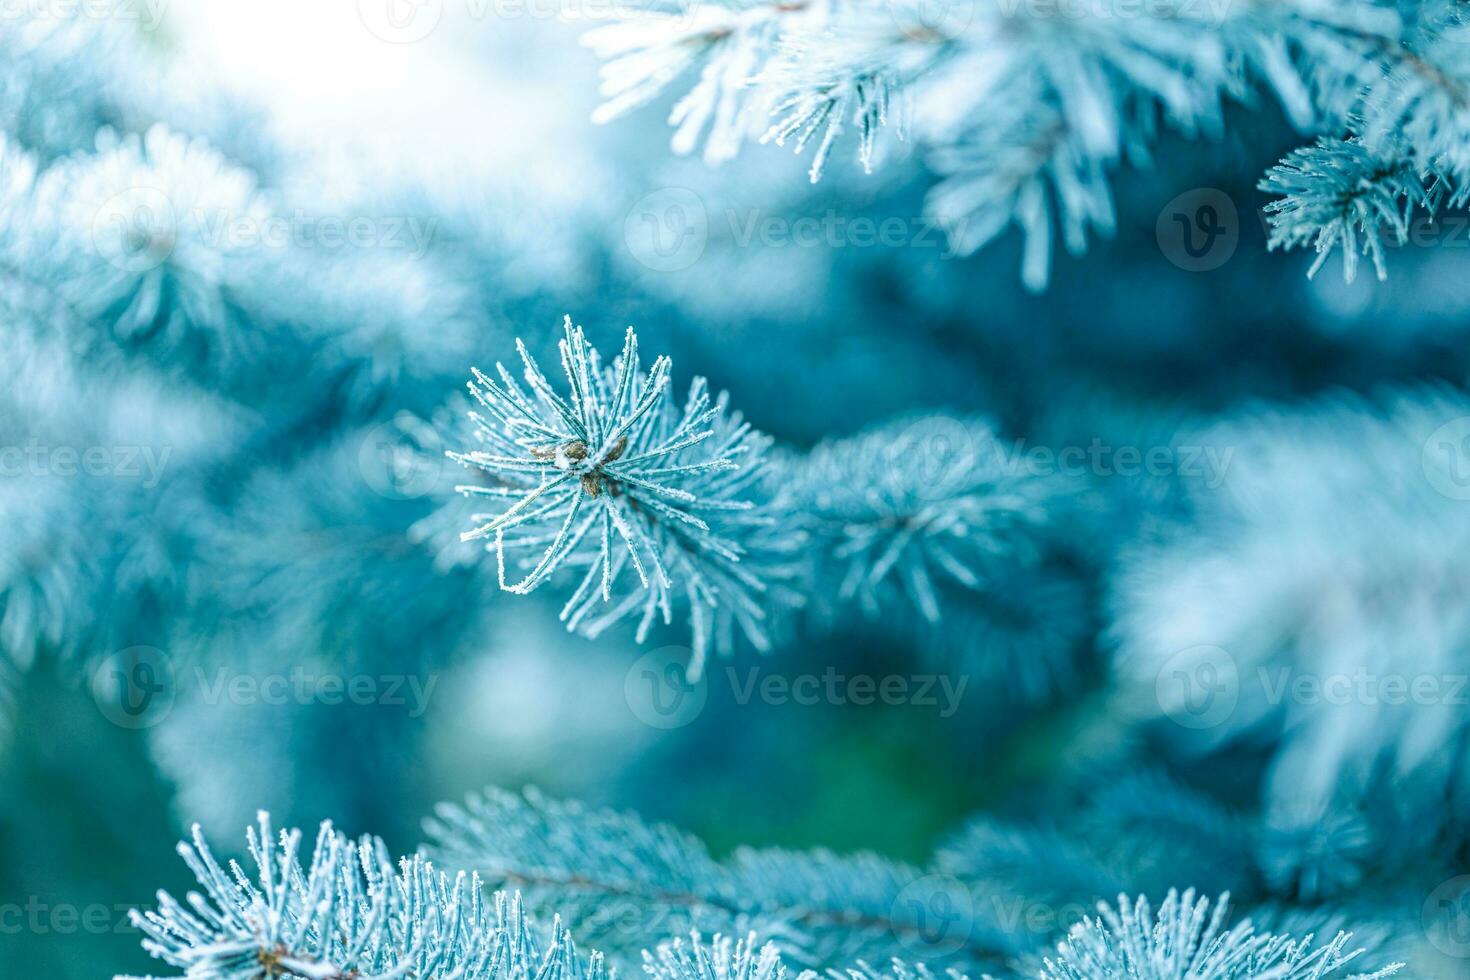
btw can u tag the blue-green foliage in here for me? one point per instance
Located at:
(1396, 154)
(614, 478)
(346, 912)
(616, 880)
(1025, 109)
(900, 513)
(1284, 572)
(1185, 939)
(167, 310)
(287, 501)
(721, 959)
(996, 897)
(1339, 193)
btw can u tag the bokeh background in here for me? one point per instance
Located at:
(271, 498)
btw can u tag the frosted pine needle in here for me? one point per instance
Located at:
(653, 503)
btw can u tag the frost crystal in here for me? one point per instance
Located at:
(614, 479)
(345, 914)
(1186, 941)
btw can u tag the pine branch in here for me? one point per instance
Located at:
(345, 915)
(721, 959)
(584, 861)
(618, 880)
(1042, 866)
(906, 510)
(613, 480)
(64, 78)
(1026, 109)
(647, 50)
(1339, 193)
(143, 240)
(1407, 125)
(1286, 572)
(1184, 940)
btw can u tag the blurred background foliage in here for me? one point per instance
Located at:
(304, 517)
